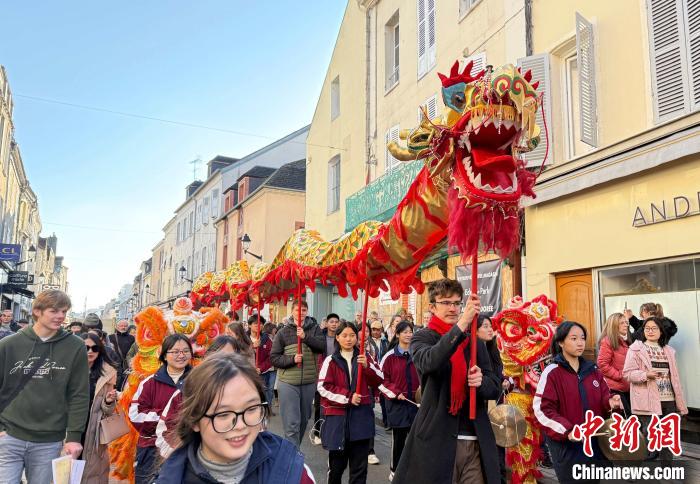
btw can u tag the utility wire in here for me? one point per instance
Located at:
(163, 120)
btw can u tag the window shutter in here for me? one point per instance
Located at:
(329, 201)
(392, 134)
(668, 59)
(539, 65)
(692, 14)
(479, 62)
(585, 54)
(422, 57)
(431, 34)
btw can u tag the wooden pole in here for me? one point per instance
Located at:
(363, 335)
(299, 323)
(472, 339)
(257, 351)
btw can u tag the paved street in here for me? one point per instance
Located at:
(317, 457)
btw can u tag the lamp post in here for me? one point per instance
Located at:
(31, 251)
(147, 290)
(245, 241)
(183, 272)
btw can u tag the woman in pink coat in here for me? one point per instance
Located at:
(655, 386)
(614, 343)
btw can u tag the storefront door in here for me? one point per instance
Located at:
(575, 300)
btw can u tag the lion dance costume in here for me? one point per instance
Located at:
(525, 331)
(152, 326)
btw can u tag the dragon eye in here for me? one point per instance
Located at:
(458, 100)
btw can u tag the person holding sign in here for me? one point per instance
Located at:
(444, 446)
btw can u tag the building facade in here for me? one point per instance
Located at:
(610, 228)
(268, 206)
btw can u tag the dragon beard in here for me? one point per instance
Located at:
(478, 223)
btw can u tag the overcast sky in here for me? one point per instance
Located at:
(108, 183)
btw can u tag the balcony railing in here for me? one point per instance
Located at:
(378, 200)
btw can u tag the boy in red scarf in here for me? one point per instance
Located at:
(444, 446)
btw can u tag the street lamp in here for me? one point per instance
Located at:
(245, 241)
(183, 272)
(30, 251)
(147, 290)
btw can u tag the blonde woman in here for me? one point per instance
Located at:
(614, 343)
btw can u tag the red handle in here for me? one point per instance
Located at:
(363, 333)
(299, 324)
(472, 342)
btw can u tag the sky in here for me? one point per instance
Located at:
(107, 183)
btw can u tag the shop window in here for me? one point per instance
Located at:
(675, 285)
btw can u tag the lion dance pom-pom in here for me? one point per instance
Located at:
(152, 326)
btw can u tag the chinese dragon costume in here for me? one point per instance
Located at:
(524, 336)
(152, 326)
(467, 196)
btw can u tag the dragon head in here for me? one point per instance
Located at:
(525, 332)
(488, 120)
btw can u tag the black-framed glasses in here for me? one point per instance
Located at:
(179, 352)
(450, 304)
(94, 349)
(223, 422)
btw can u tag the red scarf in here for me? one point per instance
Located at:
(458, 377)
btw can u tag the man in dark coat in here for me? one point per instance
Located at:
(444, 446)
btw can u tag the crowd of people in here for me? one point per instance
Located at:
(209, 423)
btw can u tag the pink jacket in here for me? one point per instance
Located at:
(611, 362)
(644, 394)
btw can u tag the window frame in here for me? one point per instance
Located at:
(333, 193)
(335, 98)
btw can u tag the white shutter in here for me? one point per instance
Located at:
(431, 107)
(422, 39)
(585, 55)
(430, 33)
(668, 59)
(539, 65)
(479, 62)
(692, 14)
(392, 134)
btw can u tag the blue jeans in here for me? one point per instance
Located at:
(269, 381)
(33, 457)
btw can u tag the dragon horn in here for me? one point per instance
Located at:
(528, 75)
(454, 72)
(468, 68)
(536, 85)
(442, 76)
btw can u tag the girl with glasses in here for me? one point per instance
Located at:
(349, 419)
(651, 369)
(103, 396)
(222, 430)
(151, 398)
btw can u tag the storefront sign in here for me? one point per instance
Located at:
(10, 252)
(489, 284)
(18, 278)
(680, 207)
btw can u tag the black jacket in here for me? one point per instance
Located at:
(122, 344)
(434, 432)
